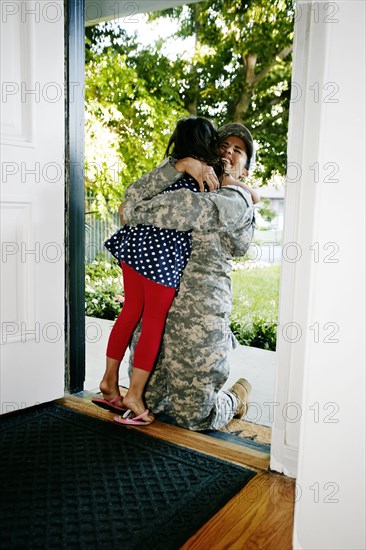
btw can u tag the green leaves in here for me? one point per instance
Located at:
(131, 110)
(240, 70)
(103, 283)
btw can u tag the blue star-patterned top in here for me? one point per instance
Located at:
(158, 254)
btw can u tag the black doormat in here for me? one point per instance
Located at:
(71, 481)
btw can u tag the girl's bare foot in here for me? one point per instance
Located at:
(109, 384)
(133, 399)
(137, 406)
(110, 391)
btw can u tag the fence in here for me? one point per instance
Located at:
(97, 231)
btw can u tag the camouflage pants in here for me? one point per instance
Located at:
(189, 374)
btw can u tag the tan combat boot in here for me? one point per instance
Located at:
(241, 389)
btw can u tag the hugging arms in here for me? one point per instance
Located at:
(192, 365)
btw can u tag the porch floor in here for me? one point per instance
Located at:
(258, 366)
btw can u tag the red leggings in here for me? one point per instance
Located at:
(149, 300)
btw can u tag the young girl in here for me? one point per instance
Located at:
(152, 261)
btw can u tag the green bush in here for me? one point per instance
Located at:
(103, 286)
(258, 334)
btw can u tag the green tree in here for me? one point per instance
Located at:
(265, 210)
(131, 110)
(241, 68)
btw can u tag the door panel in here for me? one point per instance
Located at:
(32, 337)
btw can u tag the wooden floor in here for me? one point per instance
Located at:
(259, 517)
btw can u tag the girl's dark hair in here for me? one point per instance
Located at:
(196, 137)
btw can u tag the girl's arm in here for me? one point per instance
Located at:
(254, 194)
(229, 180)
(167, 173)
(200, 171)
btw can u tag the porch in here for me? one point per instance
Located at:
(256, 365)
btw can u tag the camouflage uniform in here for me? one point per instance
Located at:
(192, 365)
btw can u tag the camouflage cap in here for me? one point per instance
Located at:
(239, 130)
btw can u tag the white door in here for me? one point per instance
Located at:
(32, 203)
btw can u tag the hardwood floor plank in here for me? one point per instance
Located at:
(258, 517)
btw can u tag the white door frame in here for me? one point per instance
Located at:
(295, 264)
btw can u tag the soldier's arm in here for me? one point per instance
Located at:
(236, 242)
(154, 182)
(167, 173)
(185, 210)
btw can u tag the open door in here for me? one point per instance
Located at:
(32, 204)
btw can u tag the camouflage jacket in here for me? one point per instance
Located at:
(192, 366)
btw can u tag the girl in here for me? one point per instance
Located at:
(152, 261)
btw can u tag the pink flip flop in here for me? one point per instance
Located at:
(109, 405)
(135, 421)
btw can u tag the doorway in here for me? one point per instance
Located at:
(266, 399)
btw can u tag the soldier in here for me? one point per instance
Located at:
(152, 261)
(192, 365)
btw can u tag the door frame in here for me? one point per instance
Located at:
(283, 456)
(74, 199)
(290, 349)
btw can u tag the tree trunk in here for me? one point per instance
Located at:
(241, 106)
(192, 107)
(193, 94)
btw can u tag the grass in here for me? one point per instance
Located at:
(268, 235)
(255, 305)
(255, 291)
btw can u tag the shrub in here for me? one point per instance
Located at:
(258, 334)
(103, 289)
